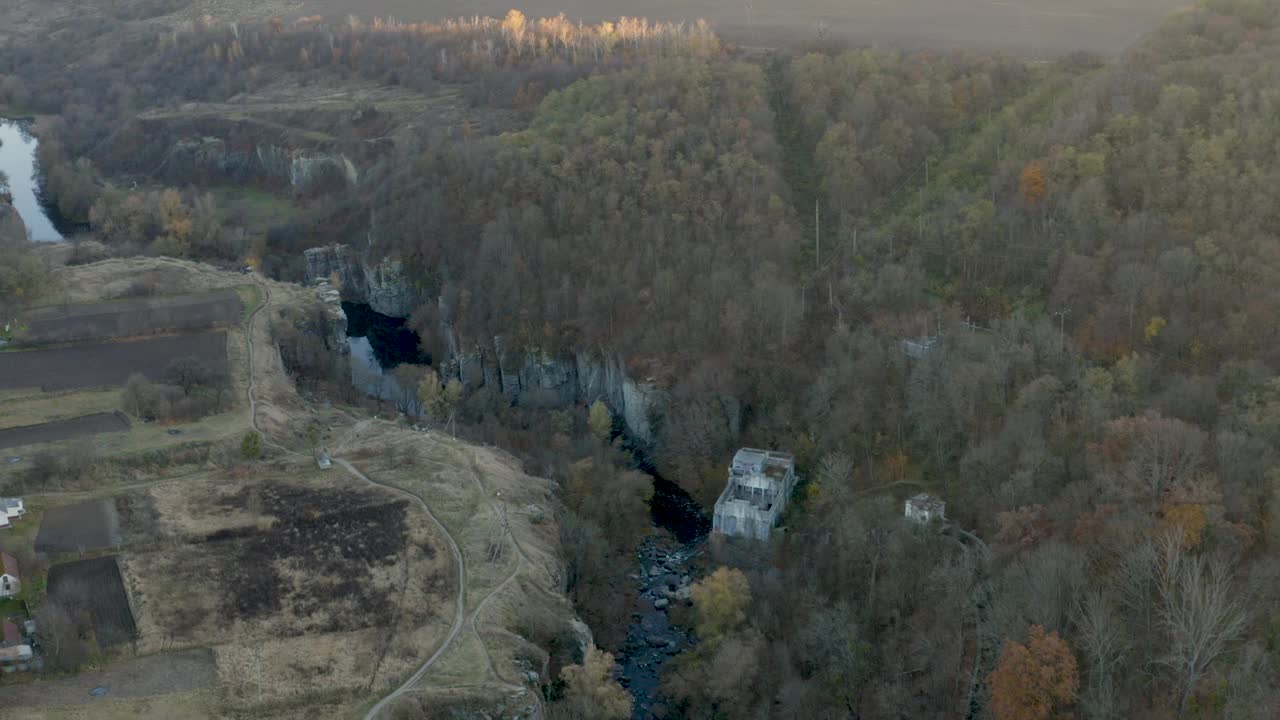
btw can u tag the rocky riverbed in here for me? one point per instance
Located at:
(666, 572)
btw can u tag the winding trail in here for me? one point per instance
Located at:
(459, 602)
(459, 619)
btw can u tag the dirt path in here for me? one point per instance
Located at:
(460, 600)
(459, 618)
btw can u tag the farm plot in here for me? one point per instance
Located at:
(95, 588)
(104, 364)
(135, 316)
(324, 586)
(95, 424)
(88, 525)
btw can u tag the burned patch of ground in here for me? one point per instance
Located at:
(103, 364)
(88, 525)
(57, 430)
(92, 592)
(283, 557)
(130, 317)
(320, 546)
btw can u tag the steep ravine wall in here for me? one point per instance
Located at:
(527, 377)
(242, 151)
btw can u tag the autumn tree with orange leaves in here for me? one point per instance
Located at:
(1033, 184)
(1031, 681)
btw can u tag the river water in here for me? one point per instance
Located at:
(18, 163)
(379, 344)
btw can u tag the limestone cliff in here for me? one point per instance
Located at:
(527, 377)
(383, 286)
(188, 146)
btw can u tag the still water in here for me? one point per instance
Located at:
(18, 163)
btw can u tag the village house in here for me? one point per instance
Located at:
(10, 509)
(10, 582)
(12, 648)
(760, 482)
(925, 508)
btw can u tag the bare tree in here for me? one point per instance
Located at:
(1199, 610)
(1101, 639)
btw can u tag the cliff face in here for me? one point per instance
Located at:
(12, 229)
(531, 378)
(301, 170)
(539, 379)
(385, 287)
(242, 150)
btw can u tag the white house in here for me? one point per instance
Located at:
(10, 583)
(13, 507)
(924, 508)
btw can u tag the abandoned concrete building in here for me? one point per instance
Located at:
(760, 482)
(925, 508)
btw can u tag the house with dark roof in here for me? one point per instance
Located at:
(10, 581)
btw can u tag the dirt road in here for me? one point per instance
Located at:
(459, 601)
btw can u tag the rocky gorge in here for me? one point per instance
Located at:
(524, 376)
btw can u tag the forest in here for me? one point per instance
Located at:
(1090, 248)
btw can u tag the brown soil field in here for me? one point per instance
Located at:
(95, 586)
(95, 424)
(158, 674)
(1035, 28)
(132, 317)
(107, 363)
(88, 525)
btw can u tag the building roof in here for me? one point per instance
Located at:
(11, 502)
(11, 634)
(925, 501)
(9, 564)
(17, 652)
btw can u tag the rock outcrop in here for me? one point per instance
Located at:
(384, 286)
(182, 147)
(12, 229)
(540, 379)
(527, 377)
(301, 170)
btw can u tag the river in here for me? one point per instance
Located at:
(666, 564)
(18, 163)
(379, 344)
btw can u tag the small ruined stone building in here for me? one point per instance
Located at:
(760, 482)
(924, 508)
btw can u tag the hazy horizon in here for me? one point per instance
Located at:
(1035, 28)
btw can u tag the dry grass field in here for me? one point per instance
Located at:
(299, 582)
(1036, 28)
